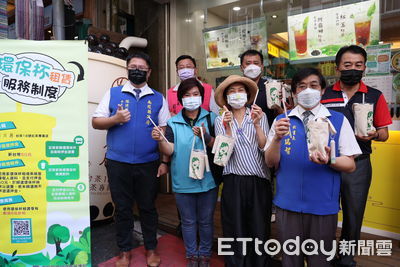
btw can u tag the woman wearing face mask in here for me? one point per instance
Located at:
(307, 192)
(195, 198)
(246, 195)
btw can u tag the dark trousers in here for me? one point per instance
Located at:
(354, 193)
(246, 212)
(306, 226)
(130, 183)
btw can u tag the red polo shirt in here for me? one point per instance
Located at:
(335, 99)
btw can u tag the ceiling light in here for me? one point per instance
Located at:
(188, 20)
(236, 8)
(202, 16)
(274, 16)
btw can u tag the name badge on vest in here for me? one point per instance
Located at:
(335, 105)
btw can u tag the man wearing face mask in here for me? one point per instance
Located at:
(350, 62)
(308, 185)
(252, 66)
(132, 158)
(186, 68)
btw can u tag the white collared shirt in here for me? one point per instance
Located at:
(103, 111)
(348, 145)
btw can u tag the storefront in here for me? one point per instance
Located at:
(296, 34)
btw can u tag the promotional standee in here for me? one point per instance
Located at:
(44, 199)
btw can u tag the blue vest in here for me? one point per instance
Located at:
(304, 186)
(183, 140)
(131, 142)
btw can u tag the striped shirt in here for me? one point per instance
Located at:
(247, 158)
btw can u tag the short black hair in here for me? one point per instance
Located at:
(355, 49)
(251, 52)
(188, 84)
(304, 73)
(141, 55)
(185, 57)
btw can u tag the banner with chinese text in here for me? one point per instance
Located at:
(320, 34)
(223, 45)
(44, 199)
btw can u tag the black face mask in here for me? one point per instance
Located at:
(351, 77)
(137, 76)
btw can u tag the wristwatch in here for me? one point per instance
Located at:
(166, 163)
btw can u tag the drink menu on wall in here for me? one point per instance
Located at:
(223, 45)
(320, 34)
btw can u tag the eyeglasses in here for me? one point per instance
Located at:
(134, 67)
(313, 85)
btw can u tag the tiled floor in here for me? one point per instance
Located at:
(104, 245)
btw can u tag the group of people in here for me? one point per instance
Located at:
(149, 136)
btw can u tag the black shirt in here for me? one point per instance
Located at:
(169, 134)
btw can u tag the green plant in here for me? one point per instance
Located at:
(57, 234)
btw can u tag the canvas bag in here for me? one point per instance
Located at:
(223, 147)
(363, 118)
(319, 131)
(273, 89)
(198, 161)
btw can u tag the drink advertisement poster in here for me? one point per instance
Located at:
(320, 34)
(223, 45)
(44, 199)
(378, 59)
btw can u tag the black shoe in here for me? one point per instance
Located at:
(204, 261)
(192, 262)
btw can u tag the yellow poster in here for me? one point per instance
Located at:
(44, 196)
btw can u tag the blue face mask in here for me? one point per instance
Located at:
(191, 103)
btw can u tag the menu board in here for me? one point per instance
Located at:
(223, 45)
(378, 59)
(382, 83)
(322, 33)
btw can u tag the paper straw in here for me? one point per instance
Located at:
(205, 150)
(256, 96)
(158, 129)
(286, 115)
(363, 98)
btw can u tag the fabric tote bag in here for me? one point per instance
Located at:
(363, 118)
(223, 148)
(319, 131)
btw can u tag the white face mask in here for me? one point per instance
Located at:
(191, 103)
(252, 71)
(237, 100)
(309, 98)
(185, 73)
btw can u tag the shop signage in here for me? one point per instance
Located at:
(273, 50)
(320, 34)
(284, 54)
